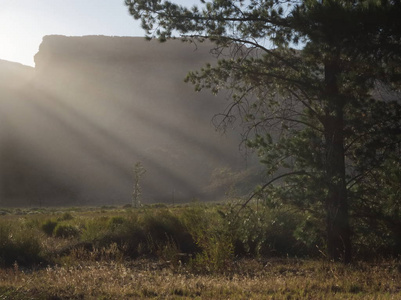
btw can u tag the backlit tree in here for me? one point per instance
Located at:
(314, 85)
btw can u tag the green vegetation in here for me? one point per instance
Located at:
(315, 85)
(48, 227)
(193, 251)
(19, 244)
(65, 231)
(205, 237)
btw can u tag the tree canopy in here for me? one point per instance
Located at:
(315, 85)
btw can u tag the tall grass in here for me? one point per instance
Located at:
(204, 238)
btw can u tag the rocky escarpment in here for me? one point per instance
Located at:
(95, 106)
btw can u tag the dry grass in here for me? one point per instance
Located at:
(104, 272)
(250, 279)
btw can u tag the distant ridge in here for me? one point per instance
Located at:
(13, 74)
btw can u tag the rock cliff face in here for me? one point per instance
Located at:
(72, 129)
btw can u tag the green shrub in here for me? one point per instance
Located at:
(212, 237)
(271, 232)
(279, 235)
(94, 229)
(66, 231)
(48, 227)
(115, 222)
(18, 246)
(131, 240)
(166, 228)
(310, 233)
(153, 231)
(125, 233)
(374, 240)
(66, 216)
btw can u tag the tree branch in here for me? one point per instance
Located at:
(270, 182)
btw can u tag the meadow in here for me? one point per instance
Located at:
(194, 251)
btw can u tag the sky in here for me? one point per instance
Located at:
(23, 23)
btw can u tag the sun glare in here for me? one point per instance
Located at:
(19, 39)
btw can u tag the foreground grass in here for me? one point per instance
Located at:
(246, 279)
(180, 252)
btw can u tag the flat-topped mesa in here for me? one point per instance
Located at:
(57, 49)
(96, 106)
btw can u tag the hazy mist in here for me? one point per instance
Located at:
(73, 127)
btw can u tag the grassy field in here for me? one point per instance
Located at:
(184, 252)
(252, 279)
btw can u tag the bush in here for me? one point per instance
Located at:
(165, 228)
(125, 233)
(213, 239)
(115, 222)
(153, 231)
(18, 246)
(271, 232)
(48, 227)
(66, 231)
(94, 229)
(66, 216)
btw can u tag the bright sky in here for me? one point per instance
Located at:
(23, 23)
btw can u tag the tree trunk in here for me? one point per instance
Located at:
(336, 202)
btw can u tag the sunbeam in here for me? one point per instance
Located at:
(98, 105)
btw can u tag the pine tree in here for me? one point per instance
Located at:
(314, 85)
